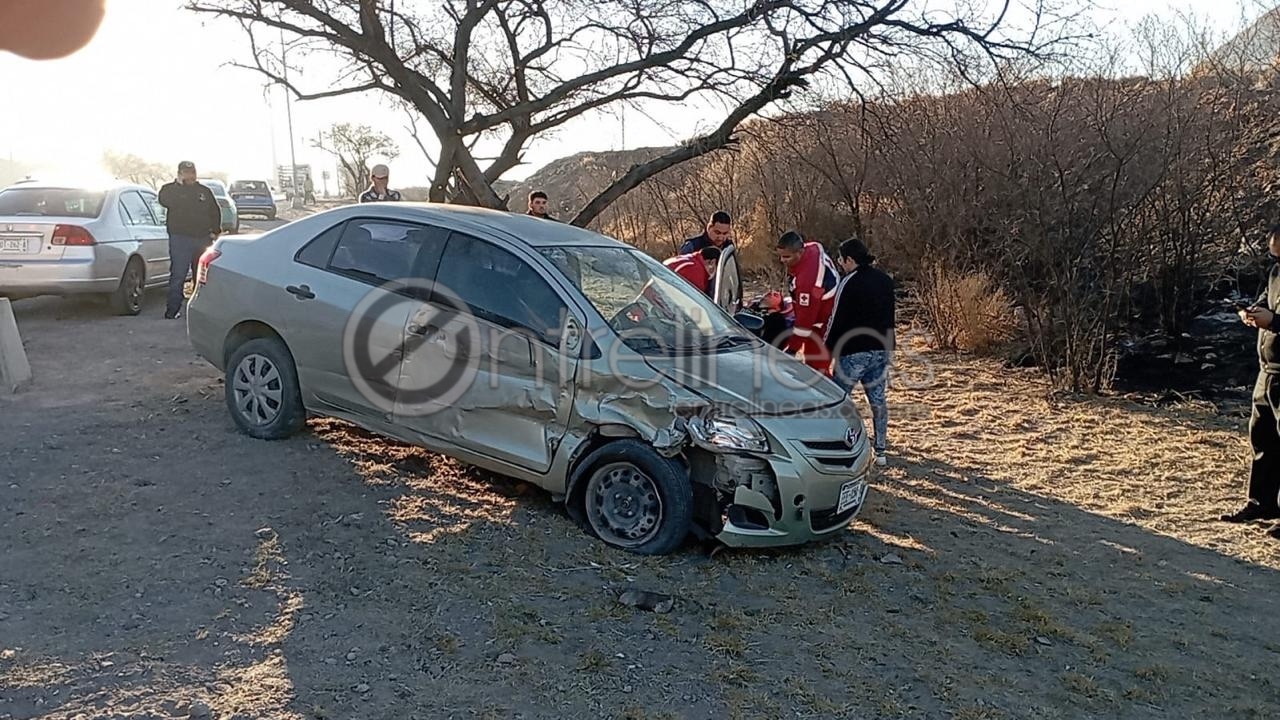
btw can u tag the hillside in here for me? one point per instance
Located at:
(1255, 48)
(572, 181)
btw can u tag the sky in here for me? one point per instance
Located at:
(156, 82)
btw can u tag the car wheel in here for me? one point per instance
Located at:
(271, 214)
(127, 299)
(262, 390)
(636, 499)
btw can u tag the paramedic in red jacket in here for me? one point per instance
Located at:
(812, 277)
(699, 268)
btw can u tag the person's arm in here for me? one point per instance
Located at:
(166, 195)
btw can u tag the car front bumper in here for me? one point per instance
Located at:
(809, 484)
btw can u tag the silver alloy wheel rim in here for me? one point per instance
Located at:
(623, 505)
(258, 391)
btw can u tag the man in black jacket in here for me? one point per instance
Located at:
(194, 221)
(1264, 423)
(860, 333)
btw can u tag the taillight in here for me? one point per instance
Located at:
(71, 235)
(202, 268)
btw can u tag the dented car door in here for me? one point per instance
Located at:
(489, 341)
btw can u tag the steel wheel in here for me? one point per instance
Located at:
(623, 504)
(258, 391)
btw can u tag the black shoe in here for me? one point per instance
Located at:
(1251, 512)
(173, 315)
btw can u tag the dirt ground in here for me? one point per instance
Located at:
(1018, 559)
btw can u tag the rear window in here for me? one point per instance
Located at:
(249, 186)
(53, 202)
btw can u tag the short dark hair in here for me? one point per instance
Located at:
(856, 249)
(791, 240)
(710, 252)
(537, 195)
(720, 217)
(1274, 230)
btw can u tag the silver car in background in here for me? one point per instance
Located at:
(60, 239)
(226, 206)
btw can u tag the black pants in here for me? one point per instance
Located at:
(1264, 435)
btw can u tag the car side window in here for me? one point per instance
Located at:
(136, 211)
(317, 252)
(153, 203)
(377, 251)
(499, 287)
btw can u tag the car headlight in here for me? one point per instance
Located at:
(719, 432)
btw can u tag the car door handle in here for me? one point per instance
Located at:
(301, 292)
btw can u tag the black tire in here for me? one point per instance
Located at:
(127, 298)
(264, 363)
(271, 214)
(620, 465)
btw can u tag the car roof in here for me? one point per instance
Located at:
(533, 231)
(89, 186)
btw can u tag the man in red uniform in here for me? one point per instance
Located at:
(812, 278)
(699, 268)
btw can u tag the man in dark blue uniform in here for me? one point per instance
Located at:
(194, 221)
(719, 232)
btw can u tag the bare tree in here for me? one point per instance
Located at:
(354, 146)
(126, 166)
(502, 72)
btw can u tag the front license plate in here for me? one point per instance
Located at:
(13, 245)
(852, 494)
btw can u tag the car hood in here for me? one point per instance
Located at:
(765, 381)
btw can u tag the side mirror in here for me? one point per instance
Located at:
(571, 338)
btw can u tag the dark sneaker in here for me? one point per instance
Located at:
(1251, 512)
(172, 315)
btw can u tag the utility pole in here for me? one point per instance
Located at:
(288, 111)
(271, 128)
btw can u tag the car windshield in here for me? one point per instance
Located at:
(653, 310)
(53, 202)
(257, 186)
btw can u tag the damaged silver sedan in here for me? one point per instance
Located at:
(540, 351)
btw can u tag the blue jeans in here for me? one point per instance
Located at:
(872, 370)
(184, 255)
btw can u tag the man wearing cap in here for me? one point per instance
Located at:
(194, 220)
(378, 191)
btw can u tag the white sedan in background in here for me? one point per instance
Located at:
(63, 239)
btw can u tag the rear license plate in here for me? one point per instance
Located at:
(13, 245)
(852, 494)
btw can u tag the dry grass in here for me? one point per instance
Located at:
(1045, 547)
(965, 311)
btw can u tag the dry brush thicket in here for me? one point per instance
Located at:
(1088, 208)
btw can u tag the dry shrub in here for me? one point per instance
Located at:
(968, 312)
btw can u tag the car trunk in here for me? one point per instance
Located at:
(28, 238)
